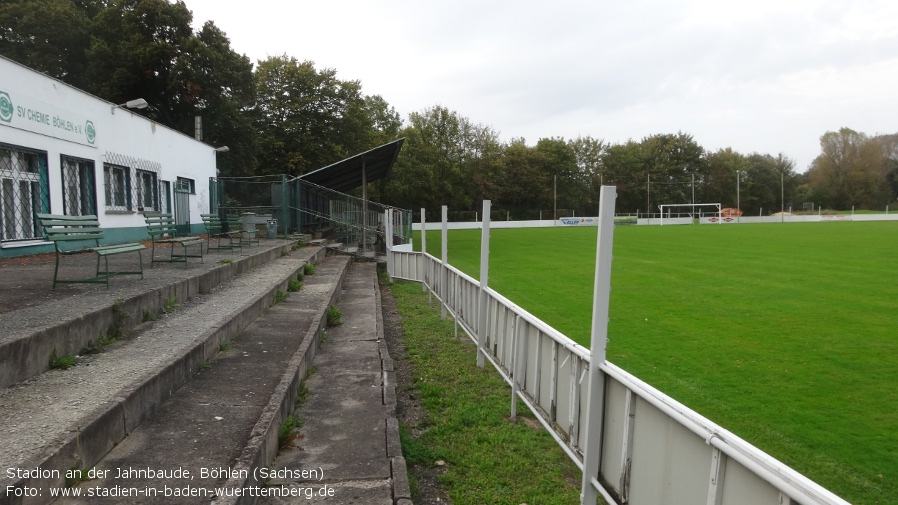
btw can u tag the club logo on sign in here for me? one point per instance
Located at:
(6, 108)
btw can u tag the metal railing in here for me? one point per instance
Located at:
(305, 207)
(635, 444)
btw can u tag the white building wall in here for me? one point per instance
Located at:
(32, 108)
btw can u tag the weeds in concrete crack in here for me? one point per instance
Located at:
(279, 297)
(62, 362)
(76, 475)
(95, 347)
(294, 285)
(148, 315)
(225, 261)
(225, 346)
(303, 394)
(286, 435)
(323, 339)
(309, 269)
(171, 303)
(334, 316)
(204, 365)
(119, 316)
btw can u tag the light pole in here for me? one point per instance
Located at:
(738, 195)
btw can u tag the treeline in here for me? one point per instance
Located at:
(285, 116)
(449, 160)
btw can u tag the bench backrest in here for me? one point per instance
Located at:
(67, 229)
(212, 223)
(160, 225)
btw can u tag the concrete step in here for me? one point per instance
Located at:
(68, 419)
(229, 412)
(36, 321)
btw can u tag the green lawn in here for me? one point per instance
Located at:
(785, 334)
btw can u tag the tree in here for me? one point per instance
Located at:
(307, 119)
(767, 179)
(135, 46)
(220, 88)
(849, 172)
(625, 169)
(524, 185)
(591, 172)
(446, 160)
(51, 36)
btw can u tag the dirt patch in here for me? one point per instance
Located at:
(409, 409)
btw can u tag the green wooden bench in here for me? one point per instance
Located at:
(162, 230)
(216, 228)
(82, 234)
(246, 237)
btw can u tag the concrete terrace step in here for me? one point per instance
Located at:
(35, 321)
(229, 409)
(70, 419)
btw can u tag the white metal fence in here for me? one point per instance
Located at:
(634, 444)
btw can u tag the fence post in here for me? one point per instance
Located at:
(424, 285)
(285, 204)
(484, 278)
(592, 447)
(388, 241)
(515, 364)
(444, 274)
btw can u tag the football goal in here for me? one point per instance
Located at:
(668, 207)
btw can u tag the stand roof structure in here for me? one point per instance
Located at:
(347, 174)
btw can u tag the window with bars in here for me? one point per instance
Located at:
(147, 191)
(24, 191)
(118, 187)
(79, 187)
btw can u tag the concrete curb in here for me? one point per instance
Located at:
(29, 355)
(262, 446)
(107, 425)
(401, 488)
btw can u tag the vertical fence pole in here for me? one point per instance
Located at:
(424, 285)
(444, 273)
(592, 447)
(484, 278)
(285, 204)
(516, 345)
(388, 242)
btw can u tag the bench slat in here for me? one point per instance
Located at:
(63, 229)
(162, 229)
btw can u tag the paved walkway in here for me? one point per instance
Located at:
(348, 443)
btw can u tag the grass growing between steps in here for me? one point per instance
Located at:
(488, 458)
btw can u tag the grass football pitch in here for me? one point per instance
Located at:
(785, 334)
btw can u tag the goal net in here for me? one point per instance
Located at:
(668, 208)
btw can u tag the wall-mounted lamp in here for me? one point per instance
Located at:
(137, 103)
(222, 149)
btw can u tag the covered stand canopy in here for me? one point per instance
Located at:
(355, 171)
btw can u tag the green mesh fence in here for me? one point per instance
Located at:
(302, 207)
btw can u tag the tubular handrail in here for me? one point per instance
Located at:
(783, 478)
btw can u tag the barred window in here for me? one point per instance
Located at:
(118, 187)
(147, 191)
(24, 191)
(79, 187)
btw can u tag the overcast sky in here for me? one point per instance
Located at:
(761, 76)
